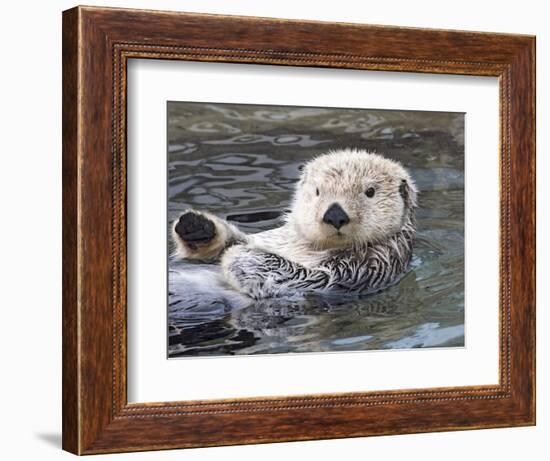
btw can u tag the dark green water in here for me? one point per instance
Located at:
(241, 162)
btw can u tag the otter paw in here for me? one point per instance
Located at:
(195, 229)
(254, 272)
(241, 267)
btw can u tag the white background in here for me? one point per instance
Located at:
(30, 247)
(153, 378)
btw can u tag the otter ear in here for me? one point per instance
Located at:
(408, 193)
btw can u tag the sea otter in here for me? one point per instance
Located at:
(350, 230)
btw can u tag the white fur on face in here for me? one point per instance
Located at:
(343, 177)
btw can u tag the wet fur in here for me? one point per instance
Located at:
(306, 255)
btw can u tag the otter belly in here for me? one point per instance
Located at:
(271, 266)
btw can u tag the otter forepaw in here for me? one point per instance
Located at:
(242, 269)
(194, 228)
(254, 272)
(197, 236)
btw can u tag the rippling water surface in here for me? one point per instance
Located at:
(241, 162)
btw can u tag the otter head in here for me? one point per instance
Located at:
(350, 197)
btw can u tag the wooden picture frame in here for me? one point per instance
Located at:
(97, 44)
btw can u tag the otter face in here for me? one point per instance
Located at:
(350, 196)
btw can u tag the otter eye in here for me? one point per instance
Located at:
(317, 192)
(370, 192)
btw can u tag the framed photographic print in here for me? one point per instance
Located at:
(284, 230)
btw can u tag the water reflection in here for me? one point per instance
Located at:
(241, 162)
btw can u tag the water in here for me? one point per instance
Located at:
(241, 162)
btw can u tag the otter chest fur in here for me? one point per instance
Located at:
(351, 229)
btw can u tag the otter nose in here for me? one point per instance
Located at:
(336, 216)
